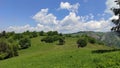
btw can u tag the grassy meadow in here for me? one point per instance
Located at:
(51, 55)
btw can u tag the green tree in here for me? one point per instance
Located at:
(33, 34)
(61, 41)
(24, 43)
(116, 12)
(17, 36)
(48, 39)
(41, 33)
(91, 40)
(51, 33)
(82, 42)
(10, 34)
(3, 34)
(7, 49)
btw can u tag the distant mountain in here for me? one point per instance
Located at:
(109, 38)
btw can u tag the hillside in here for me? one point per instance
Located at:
(109, 38)
(51, 55)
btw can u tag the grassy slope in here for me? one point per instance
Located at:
(42, 55)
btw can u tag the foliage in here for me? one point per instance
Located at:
(61, 41)
(17, 36)
(48, 39)
(82, 42)
(3, 34)
(24, 43)
(68, 35)
(51, 39)
(41, 33)
(116, 12)
(33, 34)
(52, 33)
(7, 49)
(91, 40)
(53, 36)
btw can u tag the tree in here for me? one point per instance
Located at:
(41, 33)
(17, 36)
(7, 49)
(3, 34)
(61, 41)
(51, 33)
(10, 34)
(91, 39)
(48, 39)
(82, 42)
(24, 43)
(33, 34)
(116, 12)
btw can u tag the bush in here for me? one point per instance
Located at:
(17, 36)
(24, 43)
(61, 41)
(91, 40)
(7, 50)
(51, 39)
(52, 33)
(82, 42)
(41, 33)
(33, 34)
(48, 39)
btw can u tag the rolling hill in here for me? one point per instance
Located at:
(109, 38)
(51, 55)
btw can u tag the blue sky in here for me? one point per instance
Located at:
(15, 15)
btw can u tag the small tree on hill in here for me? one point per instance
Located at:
(91, 40)
(82, 42)
(24, 43)
(41, 33)
(61, 41)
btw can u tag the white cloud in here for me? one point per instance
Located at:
(44, 18)
(71, 23)
(74, 23)
(110, 4)
(19, 28)
(68, 6)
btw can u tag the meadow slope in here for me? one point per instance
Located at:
(51, 55)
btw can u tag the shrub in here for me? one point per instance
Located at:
(91, 40)
(7, 50)
(17, 36)
(52, 33)
(61, 41)
(41, 33)
(33, 34)
(24, 43)
(48, 39)
(82, 42)
(51, 39)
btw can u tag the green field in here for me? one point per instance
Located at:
(51, 55)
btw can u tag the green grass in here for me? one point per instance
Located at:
(51, 55)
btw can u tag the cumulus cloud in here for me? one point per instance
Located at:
(71, 23)
(110, 4)
(74, 23)
(44, 18)
(68, 6)
(19, 28)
